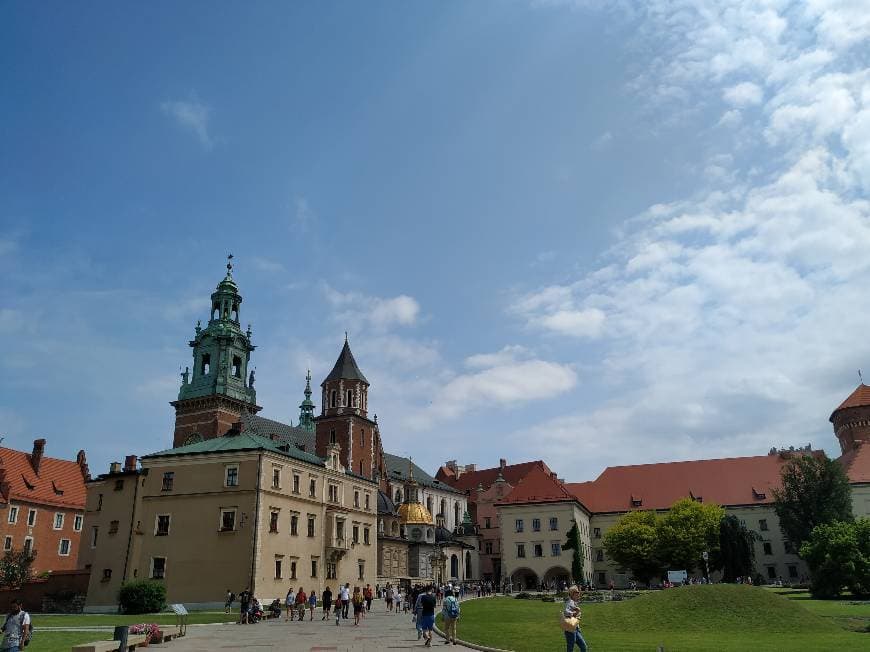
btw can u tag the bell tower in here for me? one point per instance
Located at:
(221, 388)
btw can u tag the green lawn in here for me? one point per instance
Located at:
(84, 620)
(846, 612)
(719, 617)
(63, 641)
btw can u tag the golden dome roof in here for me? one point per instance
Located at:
(414, 513)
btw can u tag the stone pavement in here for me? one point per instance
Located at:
(378, 631)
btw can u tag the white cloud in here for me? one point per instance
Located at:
(304, 216)
(268, 266)
(352, 308)
(192, 115)
(743, 94)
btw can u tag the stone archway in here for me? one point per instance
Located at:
(524, 579)
(556, 576)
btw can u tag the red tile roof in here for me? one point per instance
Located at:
(728, 481)
(859, 398)
(538, 486)
(59, 483)
(512, 473)
(856, 463)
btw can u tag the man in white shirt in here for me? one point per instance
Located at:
(345, 600)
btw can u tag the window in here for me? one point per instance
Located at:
(602, 578)
(119, 485)
(295, 483)
(313, 568)
(277, 569)
(792, 571)
(312, 488)
(768, 548)
(330, 570)
(113, 527)
(311, 518)
(13, 515)
(63, 548)
(519, 525)
(362, 569)
(7, 543)
(161, 527)
(399, 498)
(599, 555)
(332, 432)
(232, 476)
(362, 437)
(554, 522)
(556, 549)
(356, 499)
(100, 502)
(762, 525)
(487, 547)
(333, 493)
(536, 524)
(292, 570)
(487, 522)
(539, 550)
(168, 480)
(789, 547)
(237, 367)
(31, 517)
(349, 397)
(58, 521)
(355, 534)
(771, 572)
(276, 478)
(521, 550)
(339, 530)
(77, 523)
(228, 520)
(429, 504)
(107, 574)
(94, 533)
(366, 536)
(205, 364)
(273, 522)
(368, 502)
(294, 525)
(28, 544)
(158, 568)
(596, 532)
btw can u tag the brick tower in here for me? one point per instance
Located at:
(344, 419)
(852, 419)
(220, 388)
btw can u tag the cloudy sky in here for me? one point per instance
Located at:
(586, 231)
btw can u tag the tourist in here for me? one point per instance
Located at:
(418, 612)
(337, 607)
(572, 610)
(357, 605)
(301, 603)
(388, 598)
(231, 597)
(244, 606)
(312, 604)
(345, 600)
(450, 611)
(397, 598)
(368, 595)
(427, 615)
(290, 603)
(275, 608)
(16, 629)
(327, 602)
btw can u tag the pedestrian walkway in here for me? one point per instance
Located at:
(378, 631)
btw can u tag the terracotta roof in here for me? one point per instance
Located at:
(859, 398)
(538, 486)
(59, 483)
(728, 481)
(856, 463)
(513, 473)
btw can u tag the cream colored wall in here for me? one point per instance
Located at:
(540, 565)
(861, 500)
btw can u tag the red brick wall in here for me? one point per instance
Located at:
(46, 540)
(359, 450)
(852, 425)
(75, 581)
(208, 421)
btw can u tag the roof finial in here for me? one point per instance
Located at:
(229, 264)
(410, 469)
(345, 337)
(860, 377)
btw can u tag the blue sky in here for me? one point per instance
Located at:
(579, 231)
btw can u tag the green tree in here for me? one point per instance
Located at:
(815, 491)
(573, 543)
(15, 568)
(142, 597)
(736, 555)
(631, 543)
(687, 531)
(838, 555)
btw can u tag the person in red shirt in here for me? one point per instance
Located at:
(301, 602)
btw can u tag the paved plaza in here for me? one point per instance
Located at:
(378, 631)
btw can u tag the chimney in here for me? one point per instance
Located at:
(36, 455)
(470, 468)
(502, 463)
(115, 467)
(130, 463)
(82, 461)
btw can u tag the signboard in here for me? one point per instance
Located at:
(677, 577)
(178, 609)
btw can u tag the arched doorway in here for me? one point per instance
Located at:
(556, 575)
(524, 579)
(454, 566)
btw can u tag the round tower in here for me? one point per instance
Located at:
(851, 419)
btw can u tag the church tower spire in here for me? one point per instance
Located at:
(306, 409)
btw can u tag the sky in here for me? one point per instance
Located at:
(594, 233)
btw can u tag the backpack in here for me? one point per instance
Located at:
(452, 608)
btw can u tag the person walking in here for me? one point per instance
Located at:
(301, 603)
(244, 606)
(358, 602)
(572, 611)
(418, 613)
(231, 597)
(388, 598)
(345, 600)
(16, 629)
(369, 596)
(450, 610)
(427, 615)
(312, 604)
(327, 602)
(290, 604)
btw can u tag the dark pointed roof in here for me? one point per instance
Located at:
(345, 367)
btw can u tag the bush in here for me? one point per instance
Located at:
(522, 596)
(548, 598)
(142, 597)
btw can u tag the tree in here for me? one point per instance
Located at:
(142, 597)
(15, 568)
(631, 543)
(687, 531)
(838, 555)
(573, 543)
(736, 555)
(815, 491)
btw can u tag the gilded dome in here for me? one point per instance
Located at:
(414, 513)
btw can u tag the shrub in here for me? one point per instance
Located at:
(142, 597)
(522, 596)
(548, 598)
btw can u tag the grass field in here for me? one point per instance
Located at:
(719, 617)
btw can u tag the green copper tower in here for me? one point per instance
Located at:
(306, 410)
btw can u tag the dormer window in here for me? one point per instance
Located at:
(636, 501)
(758, 495)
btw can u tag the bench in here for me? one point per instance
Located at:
(133, 641)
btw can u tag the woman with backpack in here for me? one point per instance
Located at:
(450, 611)
(357, 604)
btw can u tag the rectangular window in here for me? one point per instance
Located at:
(113, 527)
(31, 517)
(161, 526)
(366, 536)
(7, 543)
(792, 571)
(311, 525)
(599, 555)
(58, 521)
(292, 570)
(539, 550)
(312, 488)
(339, 530)
(28, 544)
(158, 568)
(276, 478)
(771, 572)
(107, 574)
(768, 548)
(362, 570)
(77, 523)
(554, 523)
(519, 525)
(330, 570)
(536, 524)
(762, 525)
(368, 502)
(168, 480)
(273, 522)
(13, 515)
(228, 520)
(596, 532)
(789, 547)
(333, 493)
(487, 522)
(277, 569)
(487, 547)
(295, 483)
(521, 550)
(232, 476)
(63, 548)
(356, 499)
(602, 579)
(94, 533)
(294, 525)
(313, 568)
(355, 534)
(556, 549)
(119, 485)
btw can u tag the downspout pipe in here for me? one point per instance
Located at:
(256, 525)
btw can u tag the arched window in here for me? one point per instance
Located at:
(215, 310)
(454, 566)
(395, 529)
(349, 402)
(237, 366)
(398, 495)
(205, 364)
(467, 565)
(235, 312)
(332, 398)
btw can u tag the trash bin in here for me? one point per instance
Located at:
(121, 633)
